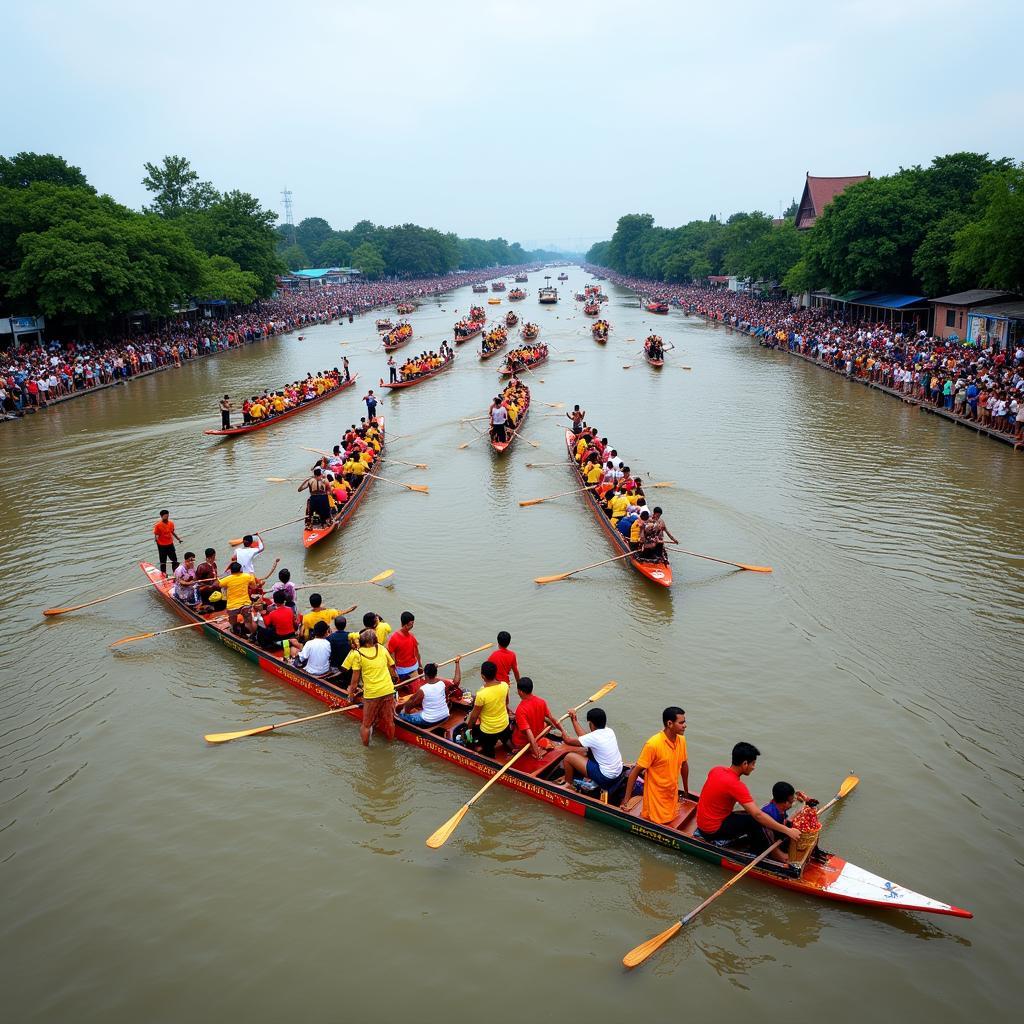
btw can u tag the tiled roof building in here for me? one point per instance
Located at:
(818, 193)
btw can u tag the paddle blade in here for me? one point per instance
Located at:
(235, 543)
(552, 579)
(129, 639)
(850, 782)
(444, 833)
(418, 487)
(57, 611)
(466, 445)
(532, 501)
(386, 574)
(277, 479)
(226, 737)
(662, 483)
(604, 691)
(755, 568)
(635, 957)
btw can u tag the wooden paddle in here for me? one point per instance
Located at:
(572, 572)
(724, 561)
(549, 497)
(537, 465)
(414, 465)
(421, 488)
(379, 578)
(640, 953)
(259, 533)
(225, 737)
(173, 629)
(466, 444)
(99, 600)
(444, 833)
(285, 479)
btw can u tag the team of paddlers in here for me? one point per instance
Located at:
(334, 477)
(425, 362)
(619, 491)
(525, 355)
(529, 331)
(494, 339)
(398, 335)
(269, 404)
(467, 329)
(654, 347)
(507, 410)
(600, 330)
(516, 295)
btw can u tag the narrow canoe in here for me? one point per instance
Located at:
(503, 446)
(398, 384)
(390, 345)
(313, 535)
(486, 354)
(507, 369)
(836, 879)
(460, 338)
(657, 363)
(527, 336)
(656, 572)
(270, 421)
(657, 307)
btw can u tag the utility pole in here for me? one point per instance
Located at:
(286, 195)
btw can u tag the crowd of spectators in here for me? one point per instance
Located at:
(34, 376)
(975, 382)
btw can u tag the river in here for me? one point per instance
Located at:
(150, 877)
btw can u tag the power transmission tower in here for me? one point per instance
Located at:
(286, 195)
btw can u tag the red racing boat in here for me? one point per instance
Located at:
(420, 377)
(656, 306)
(503, 446)
(656, 572)
(269, 421)
(830, 879)
(514, 363)
(314, 534)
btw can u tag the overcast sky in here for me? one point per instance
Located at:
(539, 121)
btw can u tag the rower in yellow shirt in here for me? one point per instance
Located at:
(257, 410)
(594, 474)
(278, 403)
(619, 503)
(317, 613)
(581, 447)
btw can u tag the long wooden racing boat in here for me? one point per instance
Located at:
(269, 421)
(419, 378)
(656, 572)
(600, 331)
(520, 278)
(831, 879)
(398, 336)
(503, 446)
(511, 366)
(656, 306)
(314, 534)
(468, 328)
(493, 342)
(657, 363)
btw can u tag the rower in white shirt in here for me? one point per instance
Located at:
(246, 554)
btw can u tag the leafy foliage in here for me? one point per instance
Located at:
(25, 169)
(368, 259)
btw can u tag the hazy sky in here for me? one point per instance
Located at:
(539, 121)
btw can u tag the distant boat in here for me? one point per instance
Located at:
(548, 295)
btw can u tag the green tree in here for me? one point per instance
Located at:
(932, 256)
(223, 278)
(990, 251)
(772, 254)
(311, 233)
(176, 188)
(334, 252)
(24, 169)
(294, 258)
(368, 260)
(623, 248)
(237, 226)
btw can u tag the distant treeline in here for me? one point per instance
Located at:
(405, 250)
(956, 224)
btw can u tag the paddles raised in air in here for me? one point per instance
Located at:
(444, 833)
(225, 737)
(639, 954)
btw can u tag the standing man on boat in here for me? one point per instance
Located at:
(724, 788)
(405, 648)
(318, 507)
(499, 417)
(664, 758)
(373, 668)
(163, 531)
(371, 401)
(392, 371)
(504, 660)
(652, 538)
(225, 413)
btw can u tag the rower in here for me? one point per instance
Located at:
(246, 554)
(652, 538)
(317, 613)
(601, 760)
(207, 575)
(428, 706)
(341, 647)
(185, 581)
(405, 648)
(724, 788)
(315, 655)
(532, 714)
(237, 588)
(278, 624)
(284, 584)
(503, 659)
(784, 795)
(318, 507)
(490, 710)
(664, 758)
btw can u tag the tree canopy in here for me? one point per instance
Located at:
(957, 223)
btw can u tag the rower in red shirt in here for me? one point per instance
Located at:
(404, 648)
(532, 714)
(504, 659)
(724, 788)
